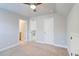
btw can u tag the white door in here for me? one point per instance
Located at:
(49, 30)
(32, 30)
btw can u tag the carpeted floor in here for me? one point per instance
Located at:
(35, 49)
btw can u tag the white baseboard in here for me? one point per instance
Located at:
(63, 46)
(8, 47)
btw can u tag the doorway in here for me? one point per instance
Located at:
(22, 30)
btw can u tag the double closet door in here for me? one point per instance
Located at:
(42, 29)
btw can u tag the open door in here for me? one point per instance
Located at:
(22, 30)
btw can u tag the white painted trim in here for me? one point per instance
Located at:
(11, 46)
(63, 46)
(52, 44)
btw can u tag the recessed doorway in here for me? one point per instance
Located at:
(22, 30)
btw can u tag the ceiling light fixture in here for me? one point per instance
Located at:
(33, 6)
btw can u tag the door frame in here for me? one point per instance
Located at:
(20, 29)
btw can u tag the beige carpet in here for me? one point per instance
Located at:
(35, 49)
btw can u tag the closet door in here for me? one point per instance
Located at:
(40, 29)
(49, 30)
(33, 29)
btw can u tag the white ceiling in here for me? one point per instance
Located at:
(63, 8)
(45, 8)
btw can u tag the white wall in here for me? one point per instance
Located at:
(60, 30)
(73, 19)
(73, 29)
(9, 28)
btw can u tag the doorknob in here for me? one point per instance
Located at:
(71, 37)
